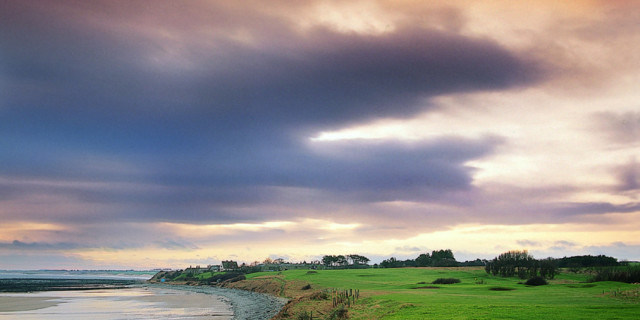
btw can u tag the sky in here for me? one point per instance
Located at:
(147, 134)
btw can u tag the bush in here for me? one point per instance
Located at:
(233, 276)
(501, 289)
(338, 313)
(446, 281)
(320, 295)
(536, 281)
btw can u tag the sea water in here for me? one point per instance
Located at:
(134, 302)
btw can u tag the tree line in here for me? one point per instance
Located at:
(345, 261)
(521, 264)
(437, 258)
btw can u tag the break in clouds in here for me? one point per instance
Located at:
(203, 113)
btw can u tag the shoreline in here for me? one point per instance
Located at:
(135, 302)
(245, 304)
(28, 294)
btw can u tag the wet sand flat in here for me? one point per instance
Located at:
(130, 303)
(26, 303)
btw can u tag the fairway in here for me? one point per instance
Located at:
(408, 293)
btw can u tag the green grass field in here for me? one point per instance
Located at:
(407, 293)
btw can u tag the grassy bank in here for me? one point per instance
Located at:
(408, 293)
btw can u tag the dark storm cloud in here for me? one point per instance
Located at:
(323, 77)
(354, 77)
(195, 128)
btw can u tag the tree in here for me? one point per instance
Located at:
(329, 260)
(341, 260)
(442, 254)
(423, 260)
(521, 264)
(443, 258)
(511, 263)
(548, 268)
(388, 263)
(357, 259)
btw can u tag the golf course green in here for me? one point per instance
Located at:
(409, 293)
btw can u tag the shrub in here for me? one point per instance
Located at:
(501, 289)
(320, 295)
(338, 313)
(446, 281)
(536, 281)
(233, 276)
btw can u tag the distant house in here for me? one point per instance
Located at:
(229, 265)
(214, 268)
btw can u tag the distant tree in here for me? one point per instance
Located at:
(423, 260)
(341, 260)
(521, 264)
(395, 263)
(389, 263)
(442, 254)
(473, 263)
(329, 260)
(587, 261)
(548, 268)
(356, 259)
(512, 263)
(443, 258)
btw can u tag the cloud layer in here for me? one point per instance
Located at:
(203, 114)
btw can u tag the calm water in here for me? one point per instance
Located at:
(76, 274)
(130, 303)
(136, 302)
